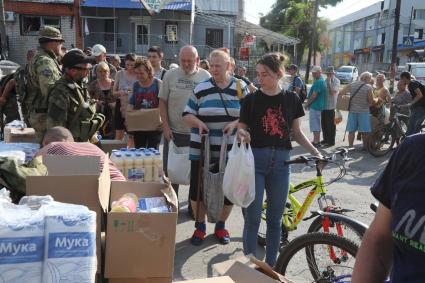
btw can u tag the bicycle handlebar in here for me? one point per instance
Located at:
(305, 160)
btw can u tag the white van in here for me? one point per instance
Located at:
(347, 74)
(417, 70)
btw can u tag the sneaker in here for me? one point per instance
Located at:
(198, 237)
(222, 236)
(316, 145)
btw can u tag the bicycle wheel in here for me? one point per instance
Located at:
(381, 141)
(262, 230)
(297, 263)
(340, 227)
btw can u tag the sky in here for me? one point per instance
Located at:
(254, 7)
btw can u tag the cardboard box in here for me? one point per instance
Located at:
(247, 270)
(77, 180)
(19, 135)
(109, 145)
(140, 246)
(143, 119)
(221, 279)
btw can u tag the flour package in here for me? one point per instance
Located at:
(21, 244)
(70, 244)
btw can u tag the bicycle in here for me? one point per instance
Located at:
(306, 258)
(294, 211)
(382, 139)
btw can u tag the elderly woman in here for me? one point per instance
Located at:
(213, 109)
(101, 90)
(145, 95)
(358, 117)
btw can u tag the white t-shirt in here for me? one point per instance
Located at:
(176, 89)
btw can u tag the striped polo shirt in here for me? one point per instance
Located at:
(205, 103)
(81, 149)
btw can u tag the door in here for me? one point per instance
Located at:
(142, 38)
(214, 38)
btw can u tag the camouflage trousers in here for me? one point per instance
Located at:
(38, 122)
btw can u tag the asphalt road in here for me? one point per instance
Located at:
(351, 192)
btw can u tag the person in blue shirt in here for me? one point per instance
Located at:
(316, 100)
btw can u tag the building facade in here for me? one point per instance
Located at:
(364, 38)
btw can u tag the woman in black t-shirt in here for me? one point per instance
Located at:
(267, 118)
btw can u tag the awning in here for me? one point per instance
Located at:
(270, 37)
(182, 5)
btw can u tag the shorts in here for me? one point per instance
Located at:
(314, 119)
(359, 122)
(194, 177)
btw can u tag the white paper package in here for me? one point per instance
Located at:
(70, 244)
(21, 244)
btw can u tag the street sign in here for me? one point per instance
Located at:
(408, 40)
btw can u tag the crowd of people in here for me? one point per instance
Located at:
(85, 93)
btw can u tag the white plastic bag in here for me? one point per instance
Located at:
(239, 176)
(178, 166)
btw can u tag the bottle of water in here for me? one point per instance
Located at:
(118, 160)
(139, 169)
(157, 169)
(148, 165)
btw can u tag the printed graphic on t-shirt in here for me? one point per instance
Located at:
(185, 84)
(274, 123)
(410, 230)
(147, 100)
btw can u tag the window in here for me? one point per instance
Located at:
(358, 26)
(368, 41)
(366, 58)
(419, 33)
(109, 30)
(381, 39)
(357, 43)
(142, 35)
(214, 38)
(419, 14)
(347, 41)
(370, 24)
(171, 32)
(379, 57)
(30, 25)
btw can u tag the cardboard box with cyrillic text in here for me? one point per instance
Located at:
(77, 180)
(221, 279)
(19, 135)
(140, 246)
(247, 270)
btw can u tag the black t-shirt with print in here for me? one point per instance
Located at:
(269, 118)
(401, 189)
(413, 85)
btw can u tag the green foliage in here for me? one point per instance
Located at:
(294, 18)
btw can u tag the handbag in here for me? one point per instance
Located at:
(143, 119)
(178, 166)
(213, 174)
(343, 102)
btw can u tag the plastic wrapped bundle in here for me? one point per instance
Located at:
(21, 244)
(70, 244)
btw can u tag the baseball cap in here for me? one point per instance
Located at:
(293, 67)
(49, 33)
(98, 49)
(75, 57)
(316, 69)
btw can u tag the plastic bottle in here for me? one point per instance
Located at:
(139, 169)
(157, 167)
(117, 159)
(127, 203)
(148, 165)
(129, 165)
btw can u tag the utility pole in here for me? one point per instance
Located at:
(3, 38)
(395, 41)
(312, 41)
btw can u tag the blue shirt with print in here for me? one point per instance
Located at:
(318, 86)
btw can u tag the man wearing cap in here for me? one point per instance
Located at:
(297, 83)
(44, 71)
(99, 52)
(328, 113)
(69, 103)
(316, 103)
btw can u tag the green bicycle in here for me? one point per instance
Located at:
(295, 211)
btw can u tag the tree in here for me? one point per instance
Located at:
(294, 18)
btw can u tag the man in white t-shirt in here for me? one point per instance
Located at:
(155, 56)
(177, 86)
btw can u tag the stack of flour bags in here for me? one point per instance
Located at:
(46, 241)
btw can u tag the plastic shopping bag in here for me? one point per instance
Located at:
(178, 167)
(338, 117)
(239, 176)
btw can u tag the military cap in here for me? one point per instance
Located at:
(75, 57)
(48, 33)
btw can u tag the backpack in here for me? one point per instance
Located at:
(303, 92)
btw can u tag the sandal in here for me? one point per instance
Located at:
(198, 237)
(222, 236)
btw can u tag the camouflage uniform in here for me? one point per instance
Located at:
(70, 106)
(44, 71)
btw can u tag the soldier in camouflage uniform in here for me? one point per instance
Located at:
(69, 103)
(44, 71)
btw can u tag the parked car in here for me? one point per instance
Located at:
(347, 74)
(417, 70)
